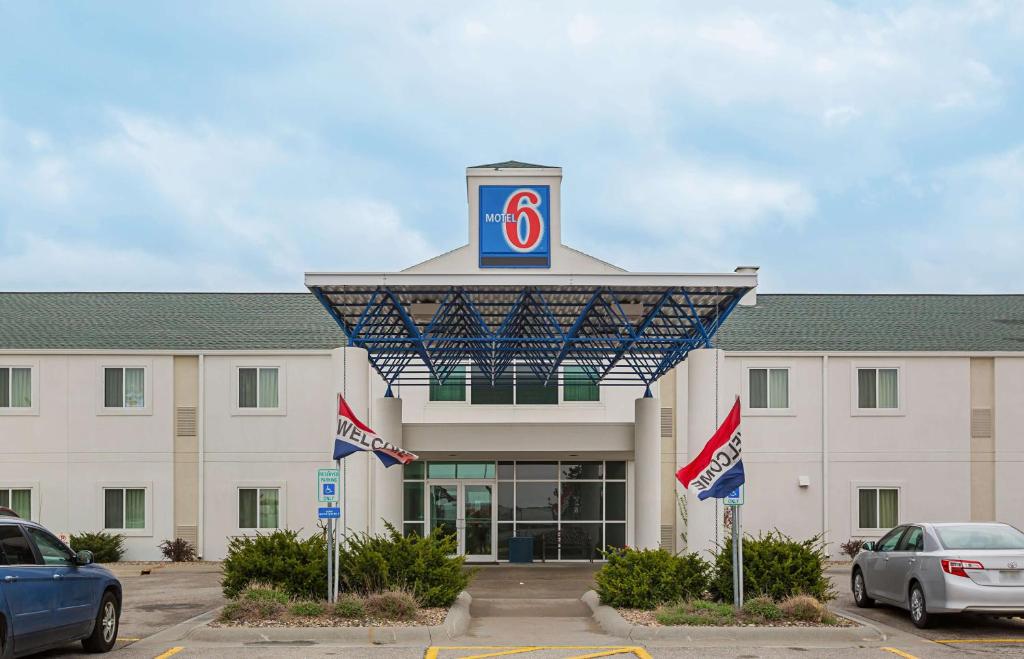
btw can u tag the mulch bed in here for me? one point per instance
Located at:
(645, 618)
(424, 618)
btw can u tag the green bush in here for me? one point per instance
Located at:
(696, 612)
(280, 559)
(349, 605)
(232, 611)
(777, 566)
(762, 609)
(262, 594)
(424, 567)
(307, 608)
(105, 547)
(391, 605)
(645, 579)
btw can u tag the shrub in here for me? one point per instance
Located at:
(178, 550)
(307, 608)
(696, 612)
(762, 609)
(349, 605)
(424, 567)
(646, 578)
(105, 547)
(852, 547)
(777, 566)
(264, 602)
(232, 611)
(805, 608)
(280, 559)
(391, 605)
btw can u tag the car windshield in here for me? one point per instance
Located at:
(970, 536)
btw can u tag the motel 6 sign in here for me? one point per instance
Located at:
(515, 230)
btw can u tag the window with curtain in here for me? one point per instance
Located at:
(531, 390)
(580, 384)
(17, 499)
(259, 508)
(124, 508)
(483, 393)
(878, 507)
(452, 389)
(769, 388)
(258, 387)
(878, 388)
(15, 386)
(124, 387)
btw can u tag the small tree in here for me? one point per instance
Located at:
(178, 550)
(852, 547)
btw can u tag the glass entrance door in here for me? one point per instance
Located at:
(466, 509)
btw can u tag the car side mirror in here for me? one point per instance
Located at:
(83, 557)
(868, 546)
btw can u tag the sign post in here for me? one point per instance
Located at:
(735, 501)
(328, 486)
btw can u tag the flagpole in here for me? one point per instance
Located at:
(343, 523)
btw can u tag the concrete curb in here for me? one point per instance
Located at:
(612, 623)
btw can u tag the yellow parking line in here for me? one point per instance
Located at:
(503, 653)
(982, 640)
(636, 652)
(170, 653)
(433, 652)
(905, 655)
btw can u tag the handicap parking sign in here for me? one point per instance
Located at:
(328, 489)
(328, 482)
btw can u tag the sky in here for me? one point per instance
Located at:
(233, 146)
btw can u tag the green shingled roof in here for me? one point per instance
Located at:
(510, 164)
(296, 321)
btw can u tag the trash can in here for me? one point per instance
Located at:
(520, 549)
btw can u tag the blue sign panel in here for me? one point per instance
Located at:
(329, 513)
(515, 226)
(329, 489)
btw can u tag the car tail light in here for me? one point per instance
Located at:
(957, 567)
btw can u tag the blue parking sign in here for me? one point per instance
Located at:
(328, 489)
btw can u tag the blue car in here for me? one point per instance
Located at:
(50, 595)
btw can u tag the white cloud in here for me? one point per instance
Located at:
(840, 116)
(583, 30)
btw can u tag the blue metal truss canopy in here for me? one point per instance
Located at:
(624, 328)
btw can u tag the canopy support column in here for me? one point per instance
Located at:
(387, 481)
(647, 478)
(709, 401)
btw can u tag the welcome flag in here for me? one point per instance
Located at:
(354, 435)
(718, 470)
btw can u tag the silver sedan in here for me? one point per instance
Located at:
(943, 568)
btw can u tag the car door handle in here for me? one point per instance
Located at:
(57, 577)
(10, 579)
(913, 560)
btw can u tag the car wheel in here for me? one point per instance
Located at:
(860, 591)
(918, 607)
(104, 633)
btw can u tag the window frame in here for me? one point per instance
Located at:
(576, 403)
(282, 387)
(901, 388)
(468, 401)
(282, 505)
(465, 393)
(748, 366)
(147, 389)
(855, 487)
(147, 528)
(33, 367)
(33, 487)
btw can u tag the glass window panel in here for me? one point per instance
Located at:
(21, 503)
(452, 389)
(545, 539)
(582, 501)
(888, 508)
(483, 393)
(536, 470)
(113, 509)
(134, 387)
(531, 390)
(866, 398)
(536, 501)
(413, 501)
(506, 471)
(615, 470)
(579, 385)
(247, 504)
(5, 387)
(505, 501)
(269, 508)
(414, 471)
(505, 532)
(268, 388)
(580, 541)
(615, 501)
(413, 529)
(135, 509)
(247, 383)
(50, 548)
(888, 388)
(582, 470)
(778, 388)
(867, 504)
(615, 535)
(474, 470)
(758, 388)
(441, 470)
(113, 387)
(21, 387)
(4, 498)
(15, 546)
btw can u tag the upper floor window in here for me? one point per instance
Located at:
(124, 387)
(452, 389)
(259, 507)
(769, 388)
(124, 508)
(258, 387)
(878, 388)
(17, 499)
(878, 507)
(15, 386)
(579, 385)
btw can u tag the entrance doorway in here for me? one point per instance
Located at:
(466, 508)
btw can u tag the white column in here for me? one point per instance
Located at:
(647, 479)
(706, 371)
(351, 378)
(387, 481)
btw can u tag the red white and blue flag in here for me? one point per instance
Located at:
(718, 470)
(354, 435)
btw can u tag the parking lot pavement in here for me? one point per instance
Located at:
(170, 594)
